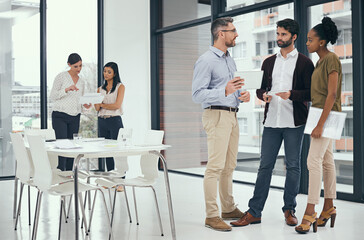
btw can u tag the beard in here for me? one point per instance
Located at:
(230, 44)
(284, 44)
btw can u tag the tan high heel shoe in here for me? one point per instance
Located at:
(326, 215)
(304, 228)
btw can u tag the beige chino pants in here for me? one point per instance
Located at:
(222, 131)
(320, 162)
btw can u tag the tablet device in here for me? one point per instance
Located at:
(252, 79)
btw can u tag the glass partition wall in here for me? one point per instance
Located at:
(340, 13)
(20, 51)
(256, 42)
(78, 34)
(19, 74)
(255, 22)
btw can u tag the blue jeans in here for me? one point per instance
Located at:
(271, 143)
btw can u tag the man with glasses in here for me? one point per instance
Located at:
(215, 88)
(285, 89)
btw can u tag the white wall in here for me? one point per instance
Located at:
(127, 42)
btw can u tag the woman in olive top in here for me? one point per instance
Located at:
(325, 94)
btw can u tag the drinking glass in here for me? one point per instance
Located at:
(77, 137)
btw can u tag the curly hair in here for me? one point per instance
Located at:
(327, 30)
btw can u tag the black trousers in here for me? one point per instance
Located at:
(65, 126)
(109, 129)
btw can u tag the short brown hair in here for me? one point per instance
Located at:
(220, 22)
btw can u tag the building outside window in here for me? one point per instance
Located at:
(343, 148)
(243, 126)
(239, 51)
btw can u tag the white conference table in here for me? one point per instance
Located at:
(112, 148)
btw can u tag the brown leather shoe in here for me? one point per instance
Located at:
(234, 215)
(246, 220)
(217, 224)
(291, 219)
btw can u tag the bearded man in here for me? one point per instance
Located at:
(286, 90)
(219, 93)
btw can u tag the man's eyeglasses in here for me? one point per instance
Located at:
(229, 30)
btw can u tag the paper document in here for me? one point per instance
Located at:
(333, 126)
(273, 93)
(93, 139)
(252, 79)
(66, 144)
(92, 98)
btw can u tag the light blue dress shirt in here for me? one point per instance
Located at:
(211, 73)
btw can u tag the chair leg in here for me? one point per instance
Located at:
(158, 212)
(19, 205)
(29, 215)
(84, 205)
(127, 203)
(111, 235)
(64, 210)
(110, 198)
(15, 197)
(83, 213)
(36, 215)
(89, 200)
(88, 181)
(113, 207)
(92, 212)
(84, 201)
(135, 205)
(69, 207)
(60, 218)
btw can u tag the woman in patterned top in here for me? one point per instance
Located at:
(67, 89)
(110, 110)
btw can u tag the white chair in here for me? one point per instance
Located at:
(25, 170)
(47, 134)
(149, 169)
(121, 167)
(43, 178)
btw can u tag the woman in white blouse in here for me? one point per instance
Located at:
(67, 89)
(110, 110)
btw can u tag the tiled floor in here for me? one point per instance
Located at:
(187, 197)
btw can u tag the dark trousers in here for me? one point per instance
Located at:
(65, 126)
(109, 129)
(271, 143)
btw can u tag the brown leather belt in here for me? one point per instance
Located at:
(230, 109)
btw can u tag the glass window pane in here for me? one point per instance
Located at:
(19, 74)
(180, 117)
(234, 4)
(76, 33)
(340, 13)
(255, 43)
(177, 11)
(257, 33)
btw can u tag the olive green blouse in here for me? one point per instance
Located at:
(320, 78)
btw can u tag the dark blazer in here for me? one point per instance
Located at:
(301, 86)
